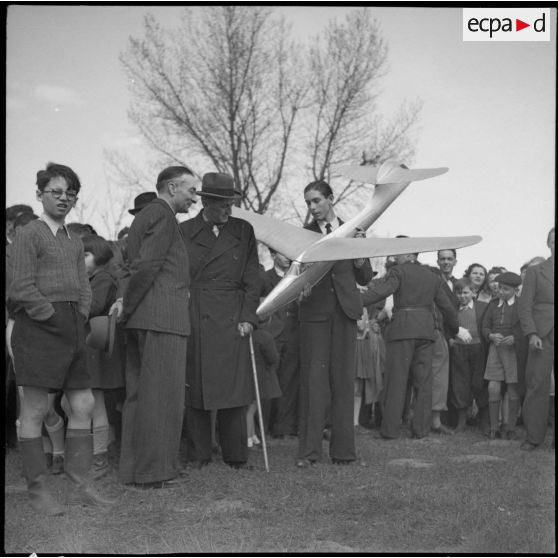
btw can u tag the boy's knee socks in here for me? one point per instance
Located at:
(100, 439)
(56, 435)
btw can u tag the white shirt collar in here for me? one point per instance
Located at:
(53, 225)
(334, 225)
(470, 305)
(510, 301)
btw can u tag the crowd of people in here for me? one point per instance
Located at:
(414, 347)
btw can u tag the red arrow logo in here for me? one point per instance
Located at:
(519, 25)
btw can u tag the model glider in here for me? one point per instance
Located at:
(313, 254)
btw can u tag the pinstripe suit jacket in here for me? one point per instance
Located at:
(156, 294)
(340, 284)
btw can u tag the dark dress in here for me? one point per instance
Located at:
(107, 371)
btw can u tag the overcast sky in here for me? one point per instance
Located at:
(489, 115)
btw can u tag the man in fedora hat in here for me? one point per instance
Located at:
(141, 200)
(155, 313)
(224, 295)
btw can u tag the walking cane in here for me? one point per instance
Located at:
(260, 417)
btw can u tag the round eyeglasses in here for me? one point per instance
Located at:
(57, 193)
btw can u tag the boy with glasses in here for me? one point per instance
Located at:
(49, 296)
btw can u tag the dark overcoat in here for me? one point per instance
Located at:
(225, 287)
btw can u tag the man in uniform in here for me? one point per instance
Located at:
(410, 340)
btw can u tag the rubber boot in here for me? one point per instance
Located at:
(513, 411)
(78, 460)
(494, 414)
(36, 473)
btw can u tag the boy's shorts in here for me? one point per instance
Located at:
(51, 354)
(501, 364)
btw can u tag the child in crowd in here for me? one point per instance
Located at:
(267, 361)
(363, 366)
(499, 327)
(107, 371)
(50, 297)
(467, 360)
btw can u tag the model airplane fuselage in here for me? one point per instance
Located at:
(313, 254)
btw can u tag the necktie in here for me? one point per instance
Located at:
(328, 228)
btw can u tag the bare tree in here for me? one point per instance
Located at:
(347, 62)
(222, 86)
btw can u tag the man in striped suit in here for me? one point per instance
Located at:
(155, 312)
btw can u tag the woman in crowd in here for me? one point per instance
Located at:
(478, 276)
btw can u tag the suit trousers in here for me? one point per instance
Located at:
(231, 431)
(537, 398)
(440, 372)
(404, 357)
(154, 407)
(327, 375)
(467, 375)
(286, 418)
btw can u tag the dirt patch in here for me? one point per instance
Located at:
(476, 458)
(415, 463)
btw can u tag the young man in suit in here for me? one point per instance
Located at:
(155, 313)
(410, 340)
(536, 314)
(447, 259)
(328, 327)
(225, 290)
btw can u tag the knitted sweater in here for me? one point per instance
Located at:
(46, 269)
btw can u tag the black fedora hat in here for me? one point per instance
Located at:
(218, 185)
(141, 201)
(102, 331)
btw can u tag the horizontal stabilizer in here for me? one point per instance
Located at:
(282, 237)
(387, 175)
(333, 249)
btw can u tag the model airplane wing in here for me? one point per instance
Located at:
(282, 237)
(333, 249)
(388, 173)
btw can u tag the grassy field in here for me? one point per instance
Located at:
(444, 494)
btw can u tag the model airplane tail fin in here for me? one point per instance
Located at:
(390, 172)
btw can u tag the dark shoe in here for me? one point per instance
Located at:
(342, 461)
(196, 465)
(305, 463)
(57, 464)
(278, 436)
(382, 436)
(157, 485)
(442, 430)
(240, 465)
(511, 435)
(36, 473)
(528, 446)
(416, 436)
